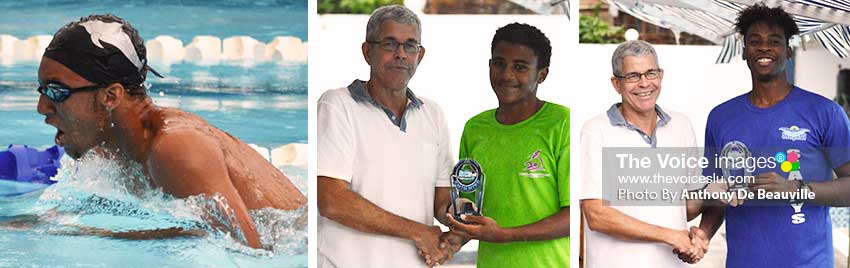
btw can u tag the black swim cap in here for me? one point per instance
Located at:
(102, 49)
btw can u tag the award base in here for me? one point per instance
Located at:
(466, 209)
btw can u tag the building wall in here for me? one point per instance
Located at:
(817, 70)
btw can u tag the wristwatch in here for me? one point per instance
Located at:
(802, 185)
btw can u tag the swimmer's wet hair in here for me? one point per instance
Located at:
(395, 13)
(138, 44)
(634, 48)
(526, 35)
(771, 16)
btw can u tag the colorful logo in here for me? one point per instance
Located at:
(789, 161)
(467, 176)
(534, 163)
(794, 133)
(533, 168)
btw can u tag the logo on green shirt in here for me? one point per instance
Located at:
(534, 166)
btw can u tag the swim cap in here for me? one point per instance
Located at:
(102, 49)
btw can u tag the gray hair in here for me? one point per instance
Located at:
(636, 48)
(396, 13)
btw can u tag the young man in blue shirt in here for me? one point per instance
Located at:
(808, 137)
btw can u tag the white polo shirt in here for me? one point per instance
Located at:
(394, 163)
(610, 129)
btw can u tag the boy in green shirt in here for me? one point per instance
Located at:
(523, 148)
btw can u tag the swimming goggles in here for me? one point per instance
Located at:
(58, 93)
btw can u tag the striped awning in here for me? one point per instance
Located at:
(545, 7)
(827, 21)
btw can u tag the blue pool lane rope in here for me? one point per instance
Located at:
(24, 169)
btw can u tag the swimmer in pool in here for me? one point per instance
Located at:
(91, 83)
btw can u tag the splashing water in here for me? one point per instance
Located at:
(97, 195)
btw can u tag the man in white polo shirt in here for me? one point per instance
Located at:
(383, 158)
(636, 236)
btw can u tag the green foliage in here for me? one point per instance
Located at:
(594, 30)
(353, 6)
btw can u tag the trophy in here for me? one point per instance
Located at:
(467, 189)
(733, 163)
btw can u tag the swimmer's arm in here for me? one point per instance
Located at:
(338, 203)
(28, 221)
(173, 232)
(187, 163)
(603, 218)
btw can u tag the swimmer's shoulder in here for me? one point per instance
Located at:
(178, 134)
(169, 124)
(166, 119)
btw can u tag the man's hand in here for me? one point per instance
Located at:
(699, 239)
(338, 203)
(480, 227)
(428, 243)
(451, 243)
(680, 241)
(773, 182)
(723, 186)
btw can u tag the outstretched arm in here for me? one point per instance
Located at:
(164, 233)
(834, 192)
(827, 193)
(338, 203)
(605, 219)
(486, 229)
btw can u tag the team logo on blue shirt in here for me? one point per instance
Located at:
(794, 133)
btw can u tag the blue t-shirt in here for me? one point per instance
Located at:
(810, 133)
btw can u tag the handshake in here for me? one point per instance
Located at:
(437, 247)
(690, 246)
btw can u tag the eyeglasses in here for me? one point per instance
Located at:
(633, 77)
(58, 93)
(392, 45)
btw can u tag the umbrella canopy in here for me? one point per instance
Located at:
(827, 21)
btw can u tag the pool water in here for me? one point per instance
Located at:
(263, 104)
(48, 228)
(183, 19)
(267, 113)
(95, 192)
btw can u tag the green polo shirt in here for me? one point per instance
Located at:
(527, 169)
